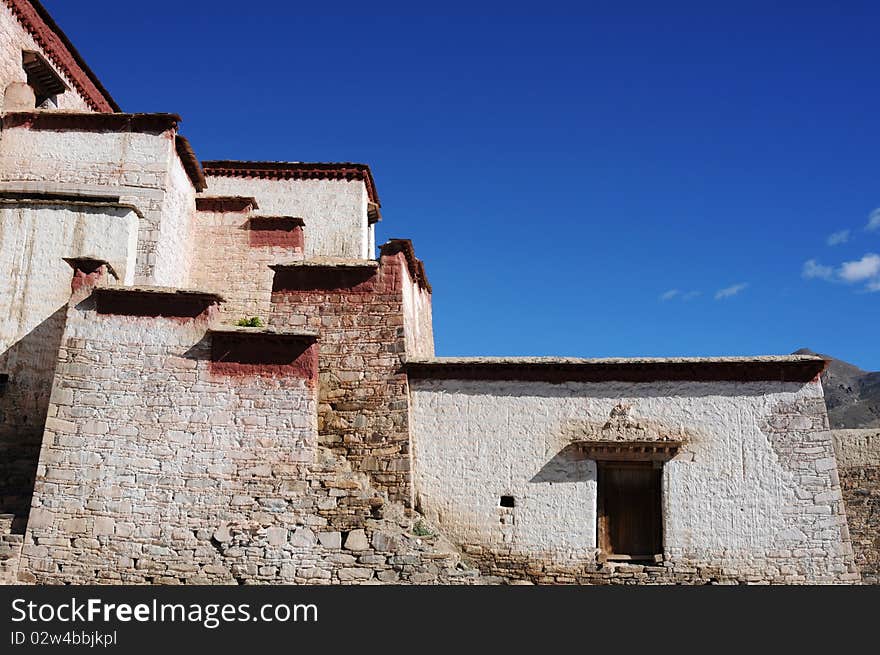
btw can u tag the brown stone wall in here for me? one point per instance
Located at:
(363, 402)
(145, 446)
(858, 457)
(233, 258)
(510, 566)
(168, 460)
(861, 492)
(10, 550)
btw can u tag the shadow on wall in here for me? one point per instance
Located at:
(24, 401)
(322, 279)
(568, 465)
(200, 351)
(604, 390)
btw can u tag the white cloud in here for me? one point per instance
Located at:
(874, 220)
(729, 292)
(838, 237)
(861, 270)
(813, 269)
(678, 294)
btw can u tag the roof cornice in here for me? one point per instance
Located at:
(86, 122)
(280, 170)
(799, 369)
(34, 17)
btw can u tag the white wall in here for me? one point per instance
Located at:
(857, 448)
(34, 292)
(143, 169)
(13, 39)
(35, 239)
(334, 211)
(730, 495)
(174, 247)
(121, 159)
(417, 317)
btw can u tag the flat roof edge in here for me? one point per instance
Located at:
(787, 368)
(36, 20)
(325, 263)
(74, 121)
(169, 292)
(265, 332)
(280, 170)
(13, 199)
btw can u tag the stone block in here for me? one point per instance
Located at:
(276, 536)
(332, 540)
(384, 542)
(103, 526)
(354, 574)
(357, 541)
(388, 576)
(222, 534)
(303, 538)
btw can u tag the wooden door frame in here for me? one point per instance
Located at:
(603, 539)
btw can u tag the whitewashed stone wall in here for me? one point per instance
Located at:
(174, 245)
(418, 320)
(35, 237)
(334, 211)
(754, 493)
(158, 468)
(145, 447)
(224, 260)
(13, 39)
(857, 448)
(136, 167)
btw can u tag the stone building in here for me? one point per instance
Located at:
(147, 437)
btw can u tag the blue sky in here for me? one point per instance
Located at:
(619, 179)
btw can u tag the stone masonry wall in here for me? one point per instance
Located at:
(35, 237)
(161, 464)
(363, 407)
(334, 211)
(144, 441)
(133, 166)
(174, 242)
(13, 39)
(228, 259)
(418, 321)
(752, 496)
(858, 459)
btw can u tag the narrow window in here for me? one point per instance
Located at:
(4, 382)
(43, 79)
(629, 518)
(507, 501)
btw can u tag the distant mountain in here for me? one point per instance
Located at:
(851, 394)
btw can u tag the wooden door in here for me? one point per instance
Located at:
(630, 524)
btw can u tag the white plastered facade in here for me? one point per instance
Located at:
(334, 211)
(728, 496)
